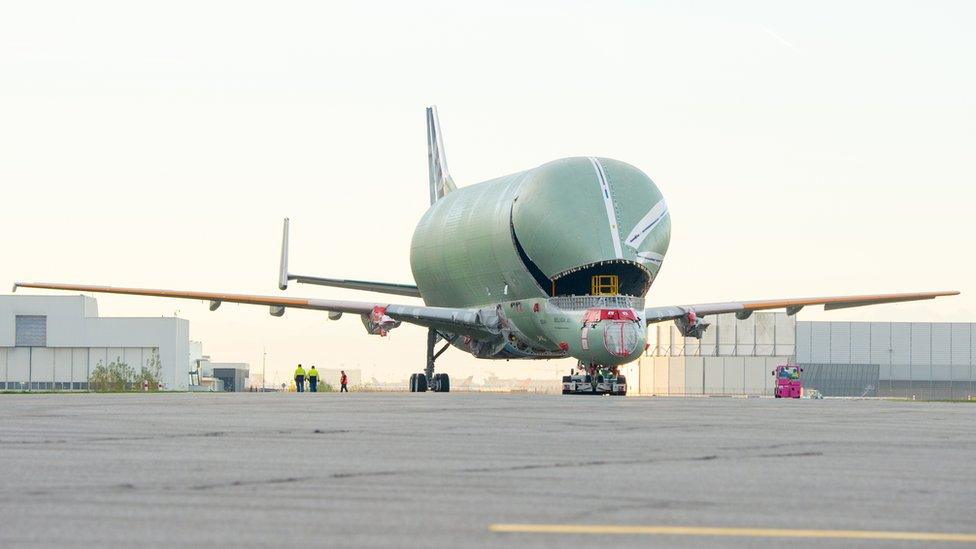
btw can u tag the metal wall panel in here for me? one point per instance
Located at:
(42, 365)
(62, 364)
(938, 372)
(901, 336)
(860, 342)
(820, 342)
(647, 375)
(79, 365)
(133, 358)
(881, 347)
(692, 346)
(98, 357)
(745, 336)
(899, 372)
(725, 324)
(677, 341)
(754, 375)
(676, 376)
(18, 364)
(803, 341)
(734, 375)
(785, 334)
(840, 343)
(661, 370)
(962, 343)
(941, 343)
(655, 337)
(115, 354)
(962, 372)
(880, 343)
(765, 333)
(921, 350)
(850, 380)
(714, 375)
(694, 375)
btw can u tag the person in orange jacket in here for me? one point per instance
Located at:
(342, 382)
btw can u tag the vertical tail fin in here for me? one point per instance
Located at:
(440, 179)
(283, 266)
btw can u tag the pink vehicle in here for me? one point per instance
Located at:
(788, 384)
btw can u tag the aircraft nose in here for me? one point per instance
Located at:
(611, 342)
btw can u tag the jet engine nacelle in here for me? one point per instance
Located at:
(378, 322)
(691, 325)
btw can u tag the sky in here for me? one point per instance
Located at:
(804, 149)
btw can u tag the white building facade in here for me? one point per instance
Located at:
(50, 343)
(921, 360)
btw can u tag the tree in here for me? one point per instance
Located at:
(150, 373)
(117, 377)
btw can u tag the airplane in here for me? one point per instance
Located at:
(551, 262)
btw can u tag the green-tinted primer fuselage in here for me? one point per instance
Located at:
(522, 243)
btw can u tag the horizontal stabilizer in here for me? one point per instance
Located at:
(380, 287)
(365, 285)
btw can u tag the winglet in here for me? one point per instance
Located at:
(440, 179)
(283, 269)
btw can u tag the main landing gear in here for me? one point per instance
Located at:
(439, 383)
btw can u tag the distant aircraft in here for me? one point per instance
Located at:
(551, 262)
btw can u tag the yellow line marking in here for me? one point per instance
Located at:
(729, 532)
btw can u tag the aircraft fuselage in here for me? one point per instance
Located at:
(544, 249)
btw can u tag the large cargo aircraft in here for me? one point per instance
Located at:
(551, 262)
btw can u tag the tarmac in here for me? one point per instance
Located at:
(482, 470)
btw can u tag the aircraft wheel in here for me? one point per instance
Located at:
(418, 383)
(442, 383)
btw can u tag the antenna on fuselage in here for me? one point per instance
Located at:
(440, 179)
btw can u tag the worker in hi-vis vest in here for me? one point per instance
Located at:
(313, 379)
(300, 379)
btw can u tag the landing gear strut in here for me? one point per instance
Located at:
(439, 383)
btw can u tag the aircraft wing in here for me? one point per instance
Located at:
(456, 320)
(743, 309)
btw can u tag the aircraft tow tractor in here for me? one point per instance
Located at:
(788, 383)
(595, 380)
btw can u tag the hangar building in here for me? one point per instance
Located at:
(54, 343)
(922, 360)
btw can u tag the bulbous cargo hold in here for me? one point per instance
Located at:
(549, 231)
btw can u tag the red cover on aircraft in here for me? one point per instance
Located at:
(596, 315)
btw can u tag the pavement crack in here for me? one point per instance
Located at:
(237, 483)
